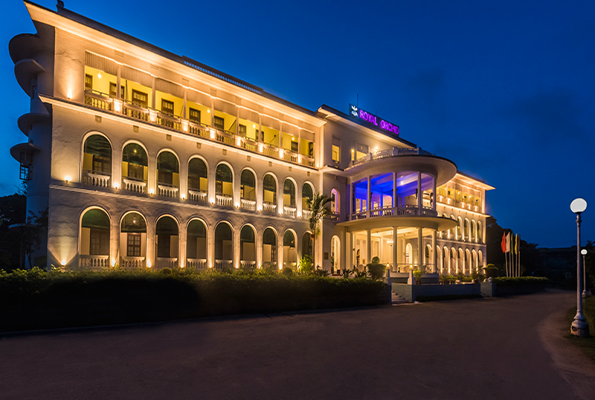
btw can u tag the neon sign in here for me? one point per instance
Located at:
(373, 119)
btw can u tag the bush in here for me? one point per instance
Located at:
(287, 271)
(521, 281)
(305, 265)
(376, 270)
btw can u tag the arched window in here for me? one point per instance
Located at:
(461, 261)
(454, 267)
(223, 245)
(133, 240)
(134, 168)
(428, 260)
(223, 181)
(166, 240)
(307, 194)
(247, 246)
(479, 233)
(196, 243)
(269, 248)
(248, 185)
(289, 193)
(454, 232)
(466, 230)
(289, 250)
(269, 187)
(307, 245)
(95, 235)
(335, 201)
(459, 229)
(445, 261)
(335, 254)
(97, 161)
(197, 175)
(168, 169)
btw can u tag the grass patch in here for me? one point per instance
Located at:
(587, 345)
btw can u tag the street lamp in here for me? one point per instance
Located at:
(579, 326)
(585, 294)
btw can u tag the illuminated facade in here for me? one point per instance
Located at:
(147, 159)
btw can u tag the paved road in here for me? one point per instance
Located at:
(468, 349)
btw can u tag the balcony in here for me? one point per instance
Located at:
(167, 190)
(94, 178)
(222, 200)
(196, 264)
(198, 196)
(408, 211)
(134, 185)
(93, 262)
(103, 102)
(132, 262)
(289, 211)
(249, 205)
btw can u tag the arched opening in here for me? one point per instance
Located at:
(248, 189)
(269, 191)
(454, 267)
(197, 180)
(224, 185)
(475, 266)
(445, 261)
(134, 168)
(289, 250)
(335, 255)
(307, 245)
(473, 234)
(479, 233)
(429, 266)
(97, 161)
(460, 229)
(335, 201)
(166, 242)
(462, 261)
(269, 248)
(307, 195)
(95, 239)
(454, 232)
(480, 258)
(247, 247)
(409, 255)
(223, 246)
(196, 245)
(168, 174)
(466, 230)
(133, 241)
(289, 195)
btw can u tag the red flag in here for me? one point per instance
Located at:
(503, 244)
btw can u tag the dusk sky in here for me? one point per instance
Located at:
(504, 89)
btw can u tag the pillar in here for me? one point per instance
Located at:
(420, 195)
(368, 242)
(395, 251)
(368, 205)
(434, 194)
(434, 252)
(395, 198)
(348, 251)
(420, 248)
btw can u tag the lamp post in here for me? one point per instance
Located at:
(579, 326)
(585, 293)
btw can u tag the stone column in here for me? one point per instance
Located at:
(368, 245)
(434, 252)
(419, 194)
(434, 194)
(420, 248)
(395, 250)
(368, 204)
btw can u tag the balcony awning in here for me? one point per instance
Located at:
(25, 70)
(437, 223)
(17, 149)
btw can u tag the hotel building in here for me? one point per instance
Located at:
(144, 158)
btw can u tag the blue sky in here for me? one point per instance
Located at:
(505, 89)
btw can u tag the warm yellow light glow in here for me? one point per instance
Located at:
(185, 126)
(293, 138)
(239, 141)
(259, 208)
(281, 153)
(67, 178)
(151, 191)
(237, 205)
(116, 185)
(152, 115)
(299, 214)
(117, 106)
(209, 111)
(99, 75)
(280, 267)
(212, 201)
(253, 125)
(280, 212)
(212, 134)
(260, 148)
(148, 264)
(113, 262)
(299, 159)
(63, 262)
(183, 196)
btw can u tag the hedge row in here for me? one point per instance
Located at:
(38, 299)
(521, 281)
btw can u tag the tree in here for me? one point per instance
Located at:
(318, 207)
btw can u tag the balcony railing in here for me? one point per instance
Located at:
(289, 211)
(198, 196)
(93, 262)
(269, 207)
(394, 152)
(166, 262)
(223, 264)
(132, 262)
(395, 211)
(222, 200)
(306, 214)
(96, 178)
(249, 205)
(134, 185)
(407, 267)
(167, 190)
(197, 264)
(102, 101)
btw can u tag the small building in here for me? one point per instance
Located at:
(144, 158)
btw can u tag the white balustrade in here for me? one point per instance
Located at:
(248, 204)
(134, 185)
(289, 211)
(167, 191)
(93, 261)
(197, 196)
(196, 264)
(268, 207)
(226, 201)
(132, 262)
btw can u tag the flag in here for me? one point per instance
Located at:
(508, 242)
(503, 244)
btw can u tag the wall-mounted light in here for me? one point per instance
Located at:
(281, 153)
(148, 264)
(99, 75)
(237, 205)
(182, 196)
(260, 148)
(212, 134)
(212, 201)
(113, 262)
(67, 178)
(116, 185)
(185, 126)
(117, 106)
(151, 191)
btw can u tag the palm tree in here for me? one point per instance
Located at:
(318, 207)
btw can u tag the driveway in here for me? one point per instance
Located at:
(497, 348)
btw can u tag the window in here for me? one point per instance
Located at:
(310, 149)
(294, 146)
(242, 130)
(167, 107)
(220, 123)
(88, 82)
(163, 246)
(112, 91)
(136, 171)
(99, 241)
(194, 115)
(140, 99)
(336, 152)
(361, 150)
(133, 247)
